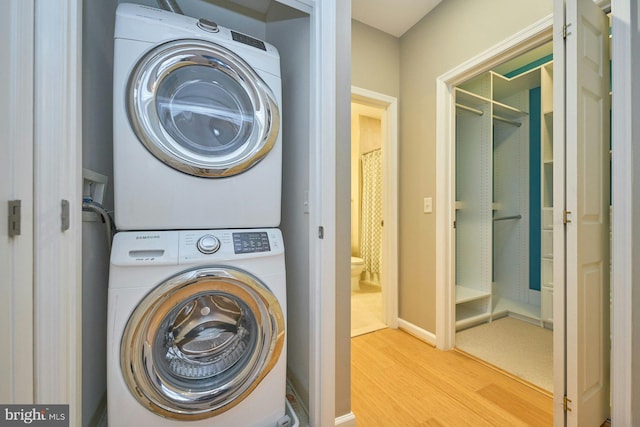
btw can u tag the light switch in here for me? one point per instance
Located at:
(428, 205)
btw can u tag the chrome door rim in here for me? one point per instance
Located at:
(159, 393)
(156, 65)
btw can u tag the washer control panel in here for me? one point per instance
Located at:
(208, 244)
(173, 247)
(221, 245)
(250, 242)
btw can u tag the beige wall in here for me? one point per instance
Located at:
(454, 32)
(375, 66)
(375, 60)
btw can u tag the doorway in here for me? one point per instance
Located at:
(503, 213)
(374, 154)
(581, 126)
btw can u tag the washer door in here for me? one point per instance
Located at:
(201, 109)
(200, 342)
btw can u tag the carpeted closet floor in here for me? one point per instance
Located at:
(518, 347)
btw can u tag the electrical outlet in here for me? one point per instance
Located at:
(428, 205)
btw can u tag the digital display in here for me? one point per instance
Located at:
(251, 242)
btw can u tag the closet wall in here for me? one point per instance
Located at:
(97, 138)
(503, 179)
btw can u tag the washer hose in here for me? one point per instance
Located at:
(88, 205)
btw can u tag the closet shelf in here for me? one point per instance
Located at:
(465, 294)
(470, 100)
(508, 112)
(505, 86)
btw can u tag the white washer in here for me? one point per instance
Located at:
(196, 113)
(196, 329)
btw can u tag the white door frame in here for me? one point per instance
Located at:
(519, 43)
(624, 276)
(57, 177)
(389, 278)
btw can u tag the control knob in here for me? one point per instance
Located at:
(208, 244)
(208, 25)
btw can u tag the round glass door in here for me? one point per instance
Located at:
(200, 342)
(201, 109)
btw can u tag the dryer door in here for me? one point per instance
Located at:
(201, 109)
(200, 342)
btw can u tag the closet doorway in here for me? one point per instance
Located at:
(374, 225)
(580, 226)
(504, 216)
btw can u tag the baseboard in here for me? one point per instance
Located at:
(421, 334)
(347, 420)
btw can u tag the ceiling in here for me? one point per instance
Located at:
(394, 17)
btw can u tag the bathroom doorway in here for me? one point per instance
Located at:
(373, 212)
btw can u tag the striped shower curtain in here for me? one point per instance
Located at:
(371, 215)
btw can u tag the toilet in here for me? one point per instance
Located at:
(357, 265)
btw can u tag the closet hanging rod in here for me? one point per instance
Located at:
(504, 218)
(480, 113)
(511, 122)
(470, 109)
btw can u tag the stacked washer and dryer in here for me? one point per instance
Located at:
(197, 292)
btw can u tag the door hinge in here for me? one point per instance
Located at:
(64, 215)
(565, 31)
(321, 232)
(15, 217)
(565, 404)
(454, 223)
(566, 217)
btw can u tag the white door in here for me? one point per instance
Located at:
(16, 183)
(586, 202)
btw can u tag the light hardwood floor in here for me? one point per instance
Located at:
(398, 380)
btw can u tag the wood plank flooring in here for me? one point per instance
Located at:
(398, 380)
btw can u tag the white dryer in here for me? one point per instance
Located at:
(196, 113)
(196, 329)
